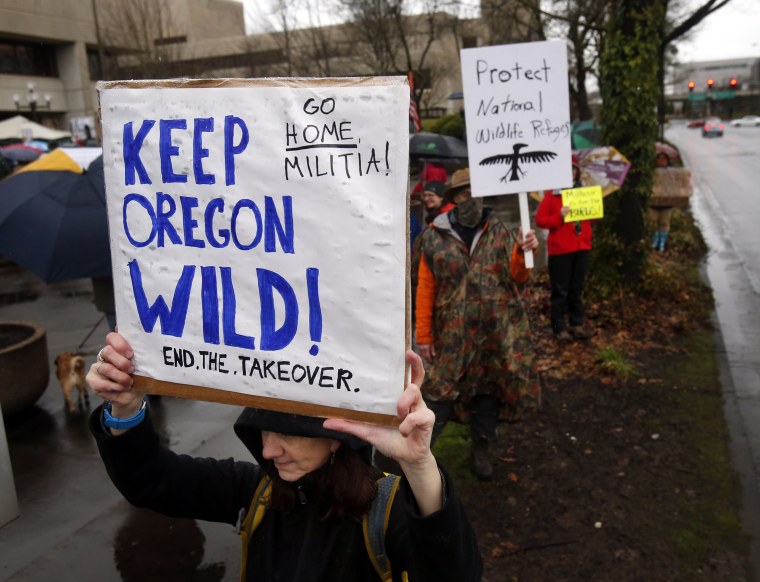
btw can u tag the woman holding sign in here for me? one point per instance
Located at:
(301, 508)
(569, 248)
(471, 322)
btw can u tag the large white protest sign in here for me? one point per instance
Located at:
(259, 239)
(518, 122)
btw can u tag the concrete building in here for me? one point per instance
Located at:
(728, 87)
(745, 71)
(52, 51)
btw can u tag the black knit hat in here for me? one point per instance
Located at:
(435, 187)
(254, 420)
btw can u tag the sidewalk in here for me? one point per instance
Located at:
(74, 525)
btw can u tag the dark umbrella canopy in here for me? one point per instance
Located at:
(54, 223)
(435, 146)
(20, 153)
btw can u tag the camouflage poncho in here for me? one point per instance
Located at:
(480, 328)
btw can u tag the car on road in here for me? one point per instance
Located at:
(694, 123)
(713, 127)
(747, 120)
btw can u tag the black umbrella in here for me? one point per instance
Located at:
(435, 146)
(54, 222)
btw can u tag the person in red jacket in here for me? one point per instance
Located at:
(569, 248)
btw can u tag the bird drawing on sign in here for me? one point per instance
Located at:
(516, 158)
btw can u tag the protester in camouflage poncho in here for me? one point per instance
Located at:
(471, 322)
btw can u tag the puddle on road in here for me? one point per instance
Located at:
(150, 546)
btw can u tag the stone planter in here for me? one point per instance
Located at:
(24, 368)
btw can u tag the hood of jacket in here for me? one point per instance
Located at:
(252, 421)
(445, 224)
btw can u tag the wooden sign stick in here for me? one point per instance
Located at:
(525, 223)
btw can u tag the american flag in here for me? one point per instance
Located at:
(414, 116)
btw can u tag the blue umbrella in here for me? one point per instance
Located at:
(39, 144)
(54, 223)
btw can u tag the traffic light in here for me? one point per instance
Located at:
(691, 86)
(710, 83)
(732, 83)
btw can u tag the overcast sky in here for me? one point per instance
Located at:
(731, 32)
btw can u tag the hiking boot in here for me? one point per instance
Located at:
(563, 336)
(480, 458)
(578, 332)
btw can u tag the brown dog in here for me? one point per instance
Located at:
(70, 371)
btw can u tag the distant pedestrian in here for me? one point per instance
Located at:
(414, 238)
(434, 203)
(431, 172)
(103, 297)
(569, 248)
(433, 200)
(659, 214)
(414, 228)
(471, 324)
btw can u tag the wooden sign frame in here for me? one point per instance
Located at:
(162, 387)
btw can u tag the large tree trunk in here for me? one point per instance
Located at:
(629, 85)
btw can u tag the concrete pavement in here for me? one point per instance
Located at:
(74, 525)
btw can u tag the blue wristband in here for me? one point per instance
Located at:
(113, 422)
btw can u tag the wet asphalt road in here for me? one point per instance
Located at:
(726, 205)
(74, 525)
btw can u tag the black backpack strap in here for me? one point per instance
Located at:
(252, 520)
(375, 524)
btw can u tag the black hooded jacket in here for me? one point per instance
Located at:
(292, 546)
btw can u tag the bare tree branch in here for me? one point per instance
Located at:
(693, 19)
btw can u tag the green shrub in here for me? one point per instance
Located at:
(452, 124)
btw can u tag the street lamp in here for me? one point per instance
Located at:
(31, 102)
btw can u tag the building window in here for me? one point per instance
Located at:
(32, 59)
(93, 65)
(167, 40)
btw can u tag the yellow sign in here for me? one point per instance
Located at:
(585, 203)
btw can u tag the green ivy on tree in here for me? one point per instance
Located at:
(629, 89)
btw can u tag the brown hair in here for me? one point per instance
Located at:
(343, 488)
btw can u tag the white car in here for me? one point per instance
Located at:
(748, 120)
